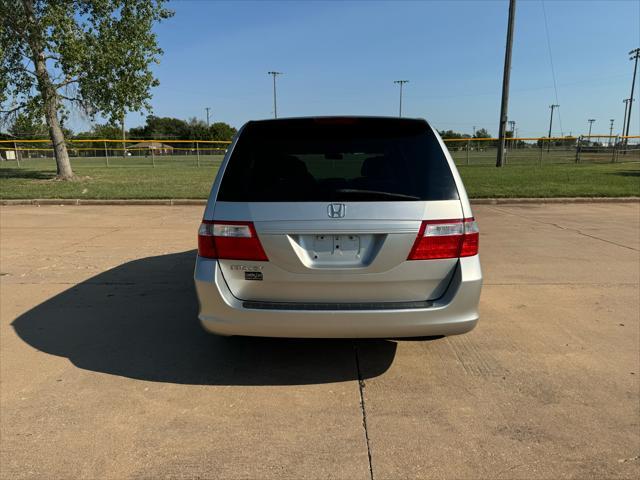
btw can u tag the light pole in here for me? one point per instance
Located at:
(635, 54)
(275, 102)
(552, 107)
(512, 124)
(207, 109)
(506, 75)
(611, 120)
(401, 83)
(591, 120)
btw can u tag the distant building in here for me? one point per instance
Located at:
(7, 154)
(156, 148)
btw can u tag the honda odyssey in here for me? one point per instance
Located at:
(338, 227)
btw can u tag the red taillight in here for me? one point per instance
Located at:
(471, 239)
(446, 239)
(230, 241)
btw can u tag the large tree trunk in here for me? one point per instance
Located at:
(49, 97)
(50, 101)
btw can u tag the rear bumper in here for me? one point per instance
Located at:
(454, 313)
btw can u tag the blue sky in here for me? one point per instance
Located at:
(342, 58)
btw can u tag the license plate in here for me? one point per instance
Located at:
(336, 245)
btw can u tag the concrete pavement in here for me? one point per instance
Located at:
(105, 373)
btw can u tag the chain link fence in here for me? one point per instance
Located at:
(544, 150)
(117, 153)
(465, 151)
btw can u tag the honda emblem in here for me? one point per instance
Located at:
(336, 210)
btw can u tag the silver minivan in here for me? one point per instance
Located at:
(338, 227)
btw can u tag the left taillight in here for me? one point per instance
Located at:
(439, 239)
(230, 241)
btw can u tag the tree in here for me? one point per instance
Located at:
(99, 131)
(28, 127)
(94, 55)
(482, 133)
(221, 131)
(161, 128)
(167, 128)
(450, 134)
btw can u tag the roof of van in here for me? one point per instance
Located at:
(341, 117)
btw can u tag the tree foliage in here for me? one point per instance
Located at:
(167, 128)
(482, 133)
(450, 134)
(28, 127)
(94, 55)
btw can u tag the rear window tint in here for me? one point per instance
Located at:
(334, 159)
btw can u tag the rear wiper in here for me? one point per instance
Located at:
(379, 193)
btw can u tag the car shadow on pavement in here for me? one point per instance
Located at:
(139, 320)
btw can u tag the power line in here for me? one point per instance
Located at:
(553, 71)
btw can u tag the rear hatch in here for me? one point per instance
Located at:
(337, 205)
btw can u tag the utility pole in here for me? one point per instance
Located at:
(611, 120)
(401, 83)
(474, 131)
(275, 101)
(505, 83)
(552, 107)
(591, 120)
(624, 119)
(635, 54)
(207, 109)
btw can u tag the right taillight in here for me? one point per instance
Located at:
(471, 238)
(230, 241)
(446, 239)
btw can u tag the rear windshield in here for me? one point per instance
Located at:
(332, 159)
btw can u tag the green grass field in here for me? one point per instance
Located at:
(179, 177)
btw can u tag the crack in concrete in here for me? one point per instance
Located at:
(363, 410)
(575, 230)
(90, 239)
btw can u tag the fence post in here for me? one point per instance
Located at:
(15, 148)
(106, 154)
(153, 157)
(198, 154)
(578, 147)
(615, 148)
(541, 152)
